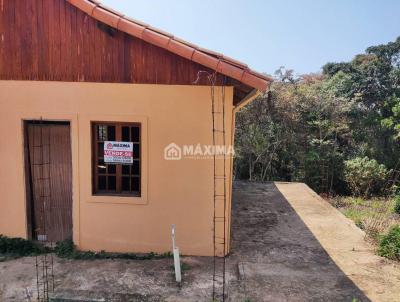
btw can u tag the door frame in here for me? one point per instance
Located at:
(72, 120)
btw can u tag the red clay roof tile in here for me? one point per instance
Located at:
(211, 59)
(180, 49)
(155, 38)
(204, 59)
(131, 28)
(105, 16)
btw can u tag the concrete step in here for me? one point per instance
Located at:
(67, 295)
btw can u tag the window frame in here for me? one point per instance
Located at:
(118, 174)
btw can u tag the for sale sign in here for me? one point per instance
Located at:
(118, 152)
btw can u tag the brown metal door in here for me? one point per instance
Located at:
(50, 171)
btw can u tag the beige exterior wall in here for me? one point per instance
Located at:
(173, 192)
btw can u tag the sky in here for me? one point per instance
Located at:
(265, 34)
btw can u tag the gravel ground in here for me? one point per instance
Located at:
(276, 256)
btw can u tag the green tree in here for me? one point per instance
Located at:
(306, 127)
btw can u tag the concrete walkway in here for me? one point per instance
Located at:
(291, 245)
(344, 242)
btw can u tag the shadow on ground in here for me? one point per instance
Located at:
(277, 256)
(274, 258)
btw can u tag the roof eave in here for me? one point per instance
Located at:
(219, 63)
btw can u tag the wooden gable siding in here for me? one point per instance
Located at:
(53, 40)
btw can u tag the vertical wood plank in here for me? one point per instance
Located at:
(127, 59)
(42, 39)
(13, 56)
(53, 40)
(62, 40)
(56, 39)
(3, 30)
(68, 42)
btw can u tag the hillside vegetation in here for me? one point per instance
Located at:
(311, 127)
(337, 131)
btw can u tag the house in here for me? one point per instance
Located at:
(110, 130)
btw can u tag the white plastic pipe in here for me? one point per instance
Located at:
(177, 261)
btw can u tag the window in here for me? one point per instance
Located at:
(115, 178)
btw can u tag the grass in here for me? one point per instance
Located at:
(66, 249)
(184, 268)
(397, 204)
(358, 216)
(389, 245)
(12, 248)
(376, 216)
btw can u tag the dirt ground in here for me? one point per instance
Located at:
(287, 245)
